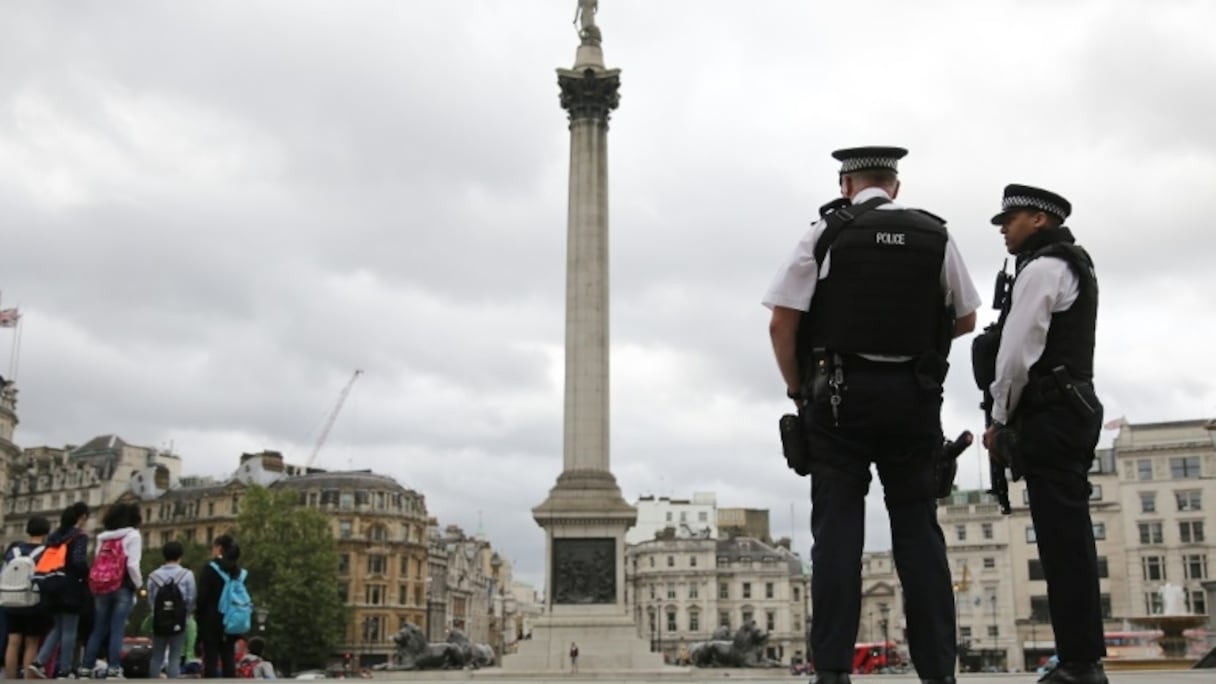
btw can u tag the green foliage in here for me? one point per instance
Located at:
(292, 560)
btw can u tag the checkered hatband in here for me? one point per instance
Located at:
(859, 163)
(1022, 201)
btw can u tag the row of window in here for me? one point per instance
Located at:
(380, 501)
(1196, 602)
(671, 561)
(671, 623)
(1194, 567)
(986, 531)
(1181, 468)
(702, 516)
(770, 590)
(1185, 500)
(1189, 532)
(1099, 532)
(380, 533)
(377, 564)
(378, 594)
(964, 631)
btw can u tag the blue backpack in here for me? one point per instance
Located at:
(236, 606)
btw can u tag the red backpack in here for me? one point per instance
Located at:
(109, 567)
(244, 669)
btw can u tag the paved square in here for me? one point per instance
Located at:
(753, 677)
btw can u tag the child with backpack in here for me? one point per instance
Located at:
(253, 665)
(171, 593)
(113, 579)
(28, 621)
(60, 575)
(224, 610)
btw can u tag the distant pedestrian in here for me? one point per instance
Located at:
(253, 665)
(28, 624)
(64, 589)
(573, 657)
(218, 646)
(113, 579)
(171, 593)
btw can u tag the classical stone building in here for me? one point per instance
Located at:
(682, 589)
(1151, 503)
(45, 480)
(1168, 493)
(8, 448)
(383, 564)
(695, 517)
(380, 528)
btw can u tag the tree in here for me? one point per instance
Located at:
(292, 560)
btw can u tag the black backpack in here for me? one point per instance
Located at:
(169, 609)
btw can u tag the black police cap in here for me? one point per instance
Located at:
(1019, 197)
(869, 158)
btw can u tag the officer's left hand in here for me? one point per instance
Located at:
(989, 434)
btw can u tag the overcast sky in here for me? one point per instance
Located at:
(214, 212)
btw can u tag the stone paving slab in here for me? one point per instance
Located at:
(488, 676)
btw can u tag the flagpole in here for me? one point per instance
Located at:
(17, 347)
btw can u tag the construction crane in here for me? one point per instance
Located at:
(333, 416)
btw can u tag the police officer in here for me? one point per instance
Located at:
(862, 317)
(1045, 409)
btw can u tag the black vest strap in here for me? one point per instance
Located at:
(838, 220)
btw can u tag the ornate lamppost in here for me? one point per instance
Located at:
(885, 612)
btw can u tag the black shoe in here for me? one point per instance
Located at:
(831, 678)
(1076, 673)
(938, 680)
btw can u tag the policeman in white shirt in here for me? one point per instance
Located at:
(1046, 416)
(863, 313)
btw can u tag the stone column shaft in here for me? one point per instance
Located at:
(586, 399)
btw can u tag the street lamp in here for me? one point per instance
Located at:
(994, 628)
(427, 626)
(885, 611)
(263, 614)
(658, 618)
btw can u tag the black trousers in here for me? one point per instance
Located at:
(1057, 449)
(218, 649)
(887, 418)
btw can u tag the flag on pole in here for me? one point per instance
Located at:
(9, 318)
(1115, 424)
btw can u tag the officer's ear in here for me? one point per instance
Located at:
(846, 186)
(895, 190)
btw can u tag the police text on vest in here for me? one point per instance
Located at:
(891, 238)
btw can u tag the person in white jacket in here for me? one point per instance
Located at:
(113, 579)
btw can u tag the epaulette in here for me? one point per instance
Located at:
(835, 205)
(931, 215)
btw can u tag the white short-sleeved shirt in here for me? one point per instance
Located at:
(1044, 286)
(795, 283)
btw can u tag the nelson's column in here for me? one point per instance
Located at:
(585, 517)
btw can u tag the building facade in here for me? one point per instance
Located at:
(695, 517)
(681, 590)
(1151, 503)
(45, 480)
(1168, 493)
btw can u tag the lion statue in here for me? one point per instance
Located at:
(745, 649)
(414, 653)
(475, 656)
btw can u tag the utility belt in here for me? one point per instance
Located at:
(829, 371)
(1055, 387)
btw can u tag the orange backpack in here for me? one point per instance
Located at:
(50, 573)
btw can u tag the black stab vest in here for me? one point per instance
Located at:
(883, 292)
(1070, 337)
